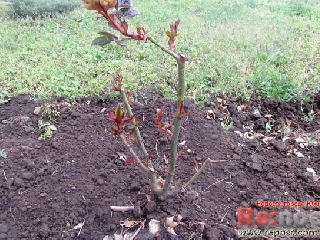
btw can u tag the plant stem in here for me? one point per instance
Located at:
(154, 182)
(176, 126)
(136, 157)
(200, 170)
(173, 54)
(178, 117)
(136, 129)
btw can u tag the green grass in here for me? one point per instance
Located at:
(242, 47)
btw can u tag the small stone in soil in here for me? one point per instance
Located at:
(37, 110)
(3, 228)
(256, 113)
(27, 176)
(151, 206)
(261, 124)
(257, 167)
(18, 182)
(28, 129)
(280, 146)
(212, 233)
(3, 236)
(40, 172)
(81, 138)
(135, 186)
(100, 181)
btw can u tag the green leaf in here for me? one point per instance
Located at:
(101, 41)
(109, 35)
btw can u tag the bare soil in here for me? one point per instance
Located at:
(47, 187)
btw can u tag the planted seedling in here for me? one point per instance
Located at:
(125, 123)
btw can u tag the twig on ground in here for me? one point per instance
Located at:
(198, 206)
(196, 174)
(166, 161)
(219, 181)
(4, 175)
(81, 228)
(12, 215)
(222, 219)
(217, 161)
(122, 208)
(156, 148)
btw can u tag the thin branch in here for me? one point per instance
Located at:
(136, 129)
(173, 54)
(177, 124)
(194, 177)
(133, 153)
(116, 25)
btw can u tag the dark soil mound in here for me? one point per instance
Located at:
(260, 152)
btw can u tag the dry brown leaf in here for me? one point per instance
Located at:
(314, 175)
(297, 153)
(108, 238)
(154, 226)
(252, 135)
(174, 221)
(53, 127)
(128, 224)
(210, 114)
(219, 100)
(239, 133)
(78, 226)
(268, 140)
(171, 231)
(118, 236)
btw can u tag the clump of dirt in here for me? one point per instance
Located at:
(260, 150)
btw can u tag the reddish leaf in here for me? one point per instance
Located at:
(139, 30)
(174, 27)
(129, 96)
(159, 117)
(180, 153)
(196, 165)
(171, 43)
(117, 84)
(173, 33)
(130, 162)
(112, 26)
(113, 17)
(121, 121)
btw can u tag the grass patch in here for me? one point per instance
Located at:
(240, 47)
(41, 8)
